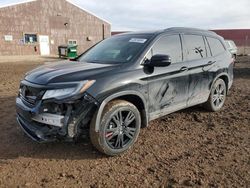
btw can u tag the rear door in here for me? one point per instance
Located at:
(199, 60)
(168, 86)
(223, 58)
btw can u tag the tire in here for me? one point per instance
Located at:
(217, 96)
(116, 135)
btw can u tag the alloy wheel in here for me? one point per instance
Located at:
(219, 95)
(121, 129)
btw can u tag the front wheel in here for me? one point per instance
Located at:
(217, 96)
(119, 128)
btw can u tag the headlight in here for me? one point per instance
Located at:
(66, 92)
(58, 93)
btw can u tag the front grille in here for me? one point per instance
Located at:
(30, 95)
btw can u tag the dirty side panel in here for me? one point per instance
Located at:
(168, 89)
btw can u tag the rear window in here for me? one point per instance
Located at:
(215, 46)
(195, 47)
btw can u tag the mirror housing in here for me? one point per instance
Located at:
(159, 61)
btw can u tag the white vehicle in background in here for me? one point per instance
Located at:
(232, 48)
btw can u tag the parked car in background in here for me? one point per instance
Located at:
(232, 48)
(115, 88)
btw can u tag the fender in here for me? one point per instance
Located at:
(116, 95)
(227, 84)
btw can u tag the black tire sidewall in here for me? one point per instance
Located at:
(106, 117)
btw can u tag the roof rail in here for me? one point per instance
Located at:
(180, 29)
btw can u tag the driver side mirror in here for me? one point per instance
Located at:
(159, 61)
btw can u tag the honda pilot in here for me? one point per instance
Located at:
(118, 86)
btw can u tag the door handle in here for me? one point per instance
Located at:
(183, 69)
(211, 62)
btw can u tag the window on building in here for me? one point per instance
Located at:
(30, 38)
(195, 47)
(169, 45)
(72, 42)
(215, 46)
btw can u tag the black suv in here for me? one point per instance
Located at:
(122, 83)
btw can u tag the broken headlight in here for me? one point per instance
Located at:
(68, 92)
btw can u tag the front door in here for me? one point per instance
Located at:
(44, 45)
(168, 86)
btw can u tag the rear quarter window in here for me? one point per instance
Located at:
(216, 46)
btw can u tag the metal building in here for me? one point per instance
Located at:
(38, 27)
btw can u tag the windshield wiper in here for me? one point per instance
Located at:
(104, 62)
(94, 61)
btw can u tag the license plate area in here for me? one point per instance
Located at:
(49, 119)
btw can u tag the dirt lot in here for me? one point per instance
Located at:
(188, 148)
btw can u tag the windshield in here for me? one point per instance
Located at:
(117, 49)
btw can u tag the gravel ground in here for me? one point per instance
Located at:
(189, 148)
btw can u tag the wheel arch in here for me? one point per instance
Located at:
(224, 77)
(226, 80)
(133, 97)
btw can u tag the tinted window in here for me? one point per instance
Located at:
(195, 47)
(215, 46)
(169, 45)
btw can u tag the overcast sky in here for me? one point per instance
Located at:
(157, 14)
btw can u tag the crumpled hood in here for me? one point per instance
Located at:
(67, 71)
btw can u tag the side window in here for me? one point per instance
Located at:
(195, 47)
(215, 46)
(169, 45)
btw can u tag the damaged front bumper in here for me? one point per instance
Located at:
(43, 125)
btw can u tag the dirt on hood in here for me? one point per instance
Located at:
(192, 147)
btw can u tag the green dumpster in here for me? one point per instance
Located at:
(67, 51)
(72, 51)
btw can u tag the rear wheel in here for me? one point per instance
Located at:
(217, 96)
(119, 128)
